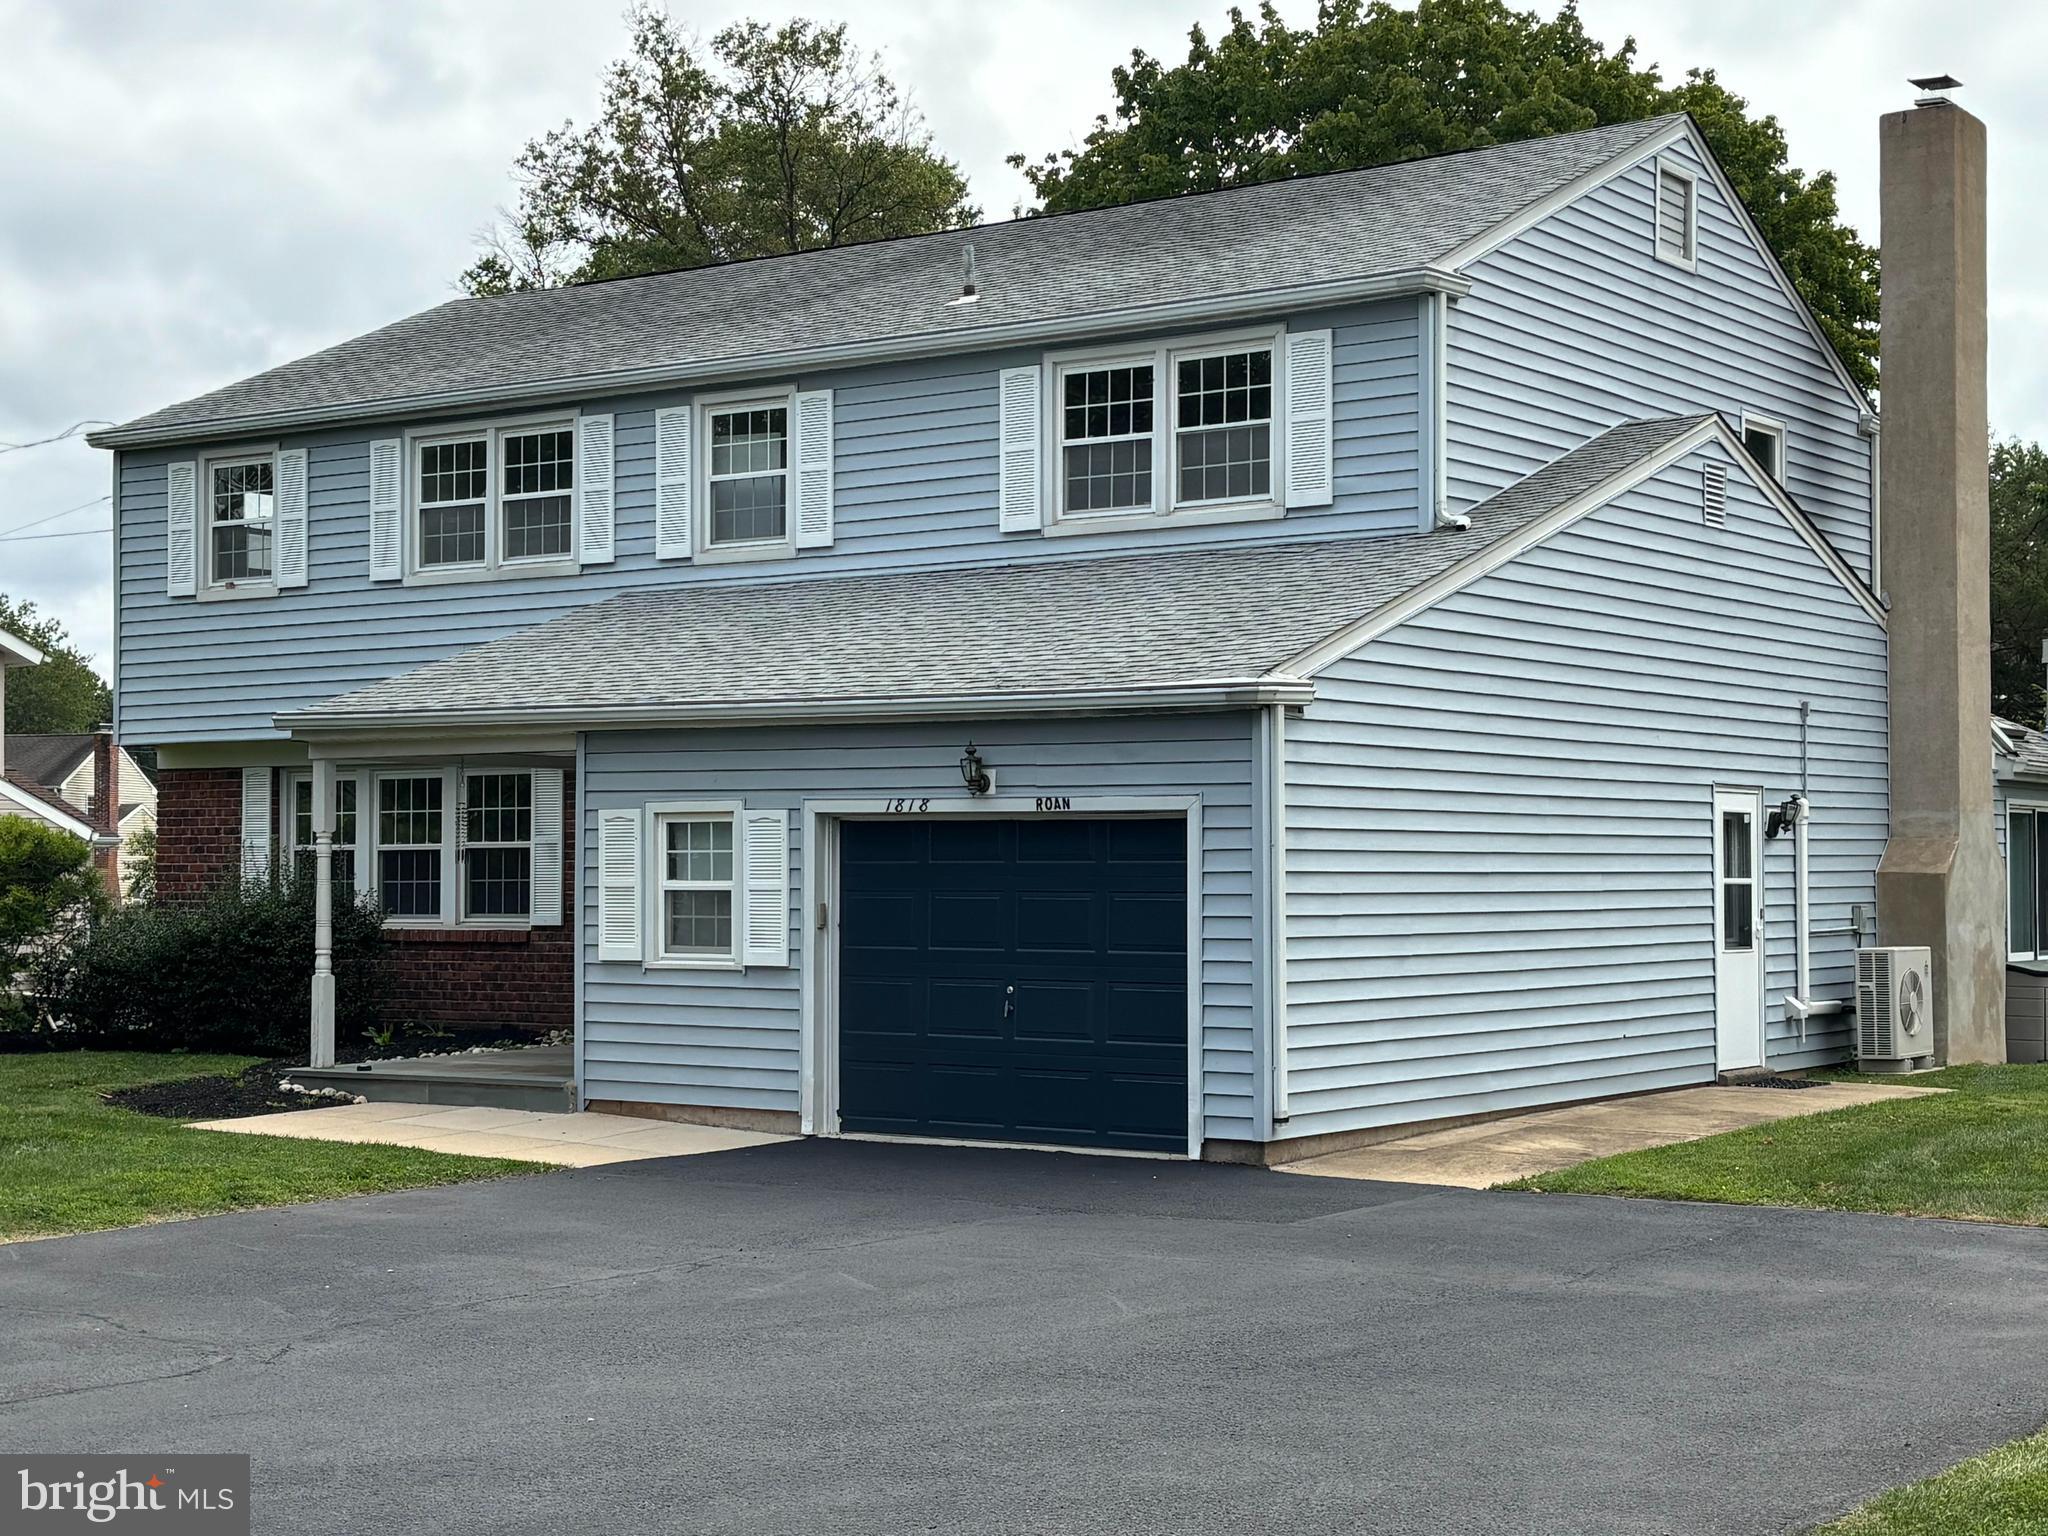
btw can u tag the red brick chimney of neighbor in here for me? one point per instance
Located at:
(104, 812)
(1941, 882)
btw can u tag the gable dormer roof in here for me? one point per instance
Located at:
(1313, 240)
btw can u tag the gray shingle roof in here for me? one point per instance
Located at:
(49, 760)
(1159, 620)
(2030, 748)
(1245, 240)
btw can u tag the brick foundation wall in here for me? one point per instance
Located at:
(198, 830)
(463, 978)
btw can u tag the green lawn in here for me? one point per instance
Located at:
(2001, 1493)
(1979, 1153)
(69, 1163)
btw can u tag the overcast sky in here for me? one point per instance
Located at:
(192, 192)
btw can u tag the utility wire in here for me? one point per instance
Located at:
(36, 522)
(69, 432)
(30, 538)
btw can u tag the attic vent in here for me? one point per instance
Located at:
(1714, 495)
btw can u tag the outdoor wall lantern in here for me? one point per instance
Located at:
(975, 773)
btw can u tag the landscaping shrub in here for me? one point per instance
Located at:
(49, 891)
(232, 972)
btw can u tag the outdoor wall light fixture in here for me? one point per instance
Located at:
(975, 772)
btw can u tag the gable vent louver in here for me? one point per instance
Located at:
(1714, 495)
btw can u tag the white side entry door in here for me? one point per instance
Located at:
(1738, 929)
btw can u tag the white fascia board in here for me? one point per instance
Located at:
(44, 811)
(1492, 239)
(1497, 554)
(1204, 695)
(1101, 324)
(17, 652)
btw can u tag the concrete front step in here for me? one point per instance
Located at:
(530, 1078)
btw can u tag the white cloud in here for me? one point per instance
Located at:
(195, 193)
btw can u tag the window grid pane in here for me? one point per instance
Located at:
(1106, 435)
(699, 851)
(698, 922)
(243, 500)
(409, 881)
(749, 474)
(454, 482)
(1223, 431)
(539, 475)
(498, 882)
(409, 812)
(499, 808)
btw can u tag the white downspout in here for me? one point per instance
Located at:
(1438, 308)
(1273, 879)
(1799, 1003)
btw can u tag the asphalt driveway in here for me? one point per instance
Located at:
(857, 1338)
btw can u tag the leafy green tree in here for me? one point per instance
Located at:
(47, 888)
(1373, 83)
(63, 694)
(2019, 578)
(764, 142)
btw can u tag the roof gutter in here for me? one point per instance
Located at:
(1174, 698)
(1220, 307)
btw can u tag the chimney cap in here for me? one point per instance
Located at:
(1935, 83)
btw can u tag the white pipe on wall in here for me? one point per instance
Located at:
(1799, 1003)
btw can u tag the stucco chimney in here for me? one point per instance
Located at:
(1941, 882)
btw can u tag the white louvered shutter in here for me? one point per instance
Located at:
(813, 470)
(618, 885)
(181, 529)
(1310, 479)
(766, 865)
(672, 483)
(387, 509)
(547, 847)
(255, 823)
(1020, 490)
(594, 476)
(289, 562)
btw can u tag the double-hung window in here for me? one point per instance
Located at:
(1182, 427)
(497, 850)
(1106, 445)
(2026, 881)
(411, 822)
(1223, 426)
(345, 826)
(747, 474)
(497, 500)
(241, 506)
(694, 872)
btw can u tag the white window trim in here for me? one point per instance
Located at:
(1689, 260)
(1165, 505)
(774, 397)
(370, 846)
(2034, 808)
(1752, 422)
(493, 567)
(206, 589)
(653, 918)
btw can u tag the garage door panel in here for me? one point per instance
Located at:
(1085, 918)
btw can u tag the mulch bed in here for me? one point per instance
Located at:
(254, 1090)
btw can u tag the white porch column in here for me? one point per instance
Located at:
(321, 1050)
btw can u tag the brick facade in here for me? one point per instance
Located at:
(463, 978)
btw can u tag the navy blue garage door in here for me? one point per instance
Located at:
(1015, 980)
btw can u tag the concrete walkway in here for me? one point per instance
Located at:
(1481, 1156)
(580, 1140)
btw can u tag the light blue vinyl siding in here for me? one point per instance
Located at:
(733, 1039)
(1500, 816)
(915, 477)
(1575, 325)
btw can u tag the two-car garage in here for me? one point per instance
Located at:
(1015, 979)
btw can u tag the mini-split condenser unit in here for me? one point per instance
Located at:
(1894, 1009)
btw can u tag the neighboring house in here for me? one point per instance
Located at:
(2020, 802)
(69, 767)
(29, 789)
(1267, 667)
